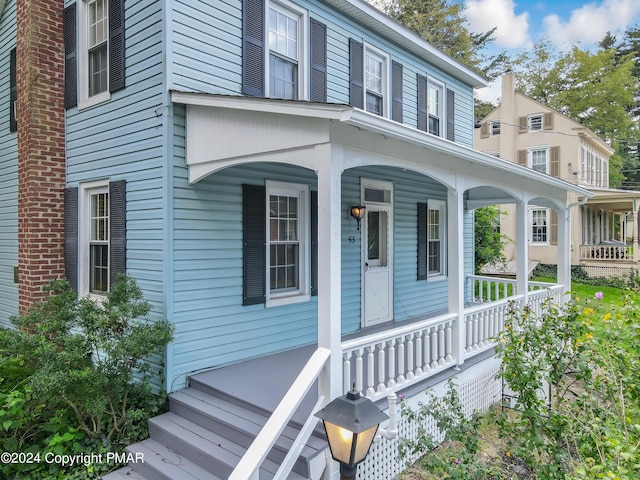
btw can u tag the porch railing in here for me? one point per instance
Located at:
(483, 322)
(250, 463)
(606, 252)
(488, 289)
(397, 358)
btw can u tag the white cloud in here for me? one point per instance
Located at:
(589, 23)
(512, 30)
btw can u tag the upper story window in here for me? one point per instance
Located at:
(535, 122)
(435, 94)
(495, 127)
(539, 159)
(94, 49)
(375, 81)
(286, 47)
(595, 168)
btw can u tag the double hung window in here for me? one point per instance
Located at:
(375, 81)
(540, 225)
(535, 122)
(287, 241)
(434, 108)
(539, 159)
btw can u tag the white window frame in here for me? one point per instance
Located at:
(547, 224)
(530, 122)
(84, 237)
(532, 150)
(494, 127)
(292, 10)
(441, 108)
(303, 293)
(441, 206)
(84, 100)
(377, 54)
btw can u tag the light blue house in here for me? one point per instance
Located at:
(215, 149)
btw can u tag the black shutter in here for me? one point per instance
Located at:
(13, 92)
(356, 74)
(451, 115)
(117, 229)
(70, 60)
(116, 45)
(318, 42)
(254, 244)
(314, 243)
(422, 241)
(396, 91)
(71, 236)
(422, 102)
(253, 44)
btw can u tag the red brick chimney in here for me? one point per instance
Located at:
(41, 146)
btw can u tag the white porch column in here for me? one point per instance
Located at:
(636, 232)
(455, 262)
(522, 248)
(329, 170)
(564, 248)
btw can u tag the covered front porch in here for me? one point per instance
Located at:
(610, 232)
(386, 306)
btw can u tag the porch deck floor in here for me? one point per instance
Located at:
(262, 382)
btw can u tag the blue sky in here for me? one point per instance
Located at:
(521, 23)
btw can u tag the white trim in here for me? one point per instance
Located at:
(547, 241)
(84, 100)
(293, 10)
(441, 206)
(441, 107)
(303, 293)
(539, 148)
(84, 226)
(385, 61)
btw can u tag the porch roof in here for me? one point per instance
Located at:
(615, 199)
(339, 117)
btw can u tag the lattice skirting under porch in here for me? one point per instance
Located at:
(478, 389)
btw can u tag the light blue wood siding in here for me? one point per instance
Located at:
(8, 174)
(206, 56)
(213, 327)
(125, 138)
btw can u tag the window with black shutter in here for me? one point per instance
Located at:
(356, 74)
(318, 40)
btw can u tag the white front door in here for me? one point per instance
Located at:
(377, 245)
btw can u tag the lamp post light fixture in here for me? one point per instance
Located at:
(357, 212)
(351, 423)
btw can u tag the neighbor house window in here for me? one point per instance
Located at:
(495, 127)
(286, 48)
(436, 214)
(375, 81)
(287, 240)
(539, 159)
(535, 122)
(540, 226)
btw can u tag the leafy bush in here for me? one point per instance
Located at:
(74, 374)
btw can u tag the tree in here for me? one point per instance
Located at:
(489, 241)
(443, 24)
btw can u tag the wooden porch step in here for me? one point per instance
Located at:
(240, 425)
(208, 450)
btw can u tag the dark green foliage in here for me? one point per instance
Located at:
(73, 375)
(489, 241)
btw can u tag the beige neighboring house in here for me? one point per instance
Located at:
(604, 228)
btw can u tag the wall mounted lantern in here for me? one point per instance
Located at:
(357, 212)
(351, 423)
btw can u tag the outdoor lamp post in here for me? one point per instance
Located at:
(351, 423)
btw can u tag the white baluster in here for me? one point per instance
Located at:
(401, 351)
(418, 353)
(475, 329)
(434, 347)
(381, 370)
(346, 373)
(391, 358)
(441, 345)
(371, 367)
(411, 366)
(469, 340)
(359, 370)
(427, 350)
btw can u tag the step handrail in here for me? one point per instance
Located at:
(249, 465)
